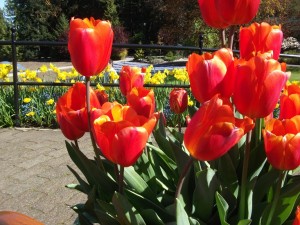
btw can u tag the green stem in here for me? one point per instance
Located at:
(76, 143)
(258, 130)
(231, 36)
(179, 122)
(88, 106)
(243, 190)
(276, 198)
(183, 176)
(223, 38)
(121, 180)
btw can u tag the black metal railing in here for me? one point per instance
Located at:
(16, 83)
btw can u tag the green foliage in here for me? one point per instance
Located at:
(209, 195)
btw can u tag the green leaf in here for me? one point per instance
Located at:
(136, 182)
(151, 217)
(142, 203)
(244, 222)
(127, 214)
(84, 187)
(106, 213)
(181, 215)
(207, 184)
(93, 174)
(222, 208)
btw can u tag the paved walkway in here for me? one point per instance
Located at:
(33, 174)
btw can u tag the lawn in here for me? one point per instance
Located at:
(295, 72)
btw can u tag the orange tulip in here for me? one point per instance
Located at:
(211, 74)
(102, 96)
(236, 12)
(290, 102)
(282, 142)
(142, 100)
(130, 77)
(16, 218)
(72, 106)
(123, 135)
(258, 84)
(178, 100)
(213, 130)
(297, 218)
(211, 15)
(260, 38)
(90, 44)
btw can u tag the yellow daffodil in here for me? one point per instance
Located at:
(27, 100)
(30, 114)
(50, 101)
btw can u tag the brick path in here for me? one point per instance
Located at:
(33, 174)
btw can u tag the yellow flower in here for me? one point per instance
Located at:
(30, 114)
(54, 111)
(43, 69)
(27, 100)
(38, 79)
(100, 87)
(50, 101)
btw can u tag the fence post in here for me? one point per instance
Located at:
(200, 43)
(15, 77)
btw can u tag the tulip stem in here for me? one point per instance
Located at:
(179, 122)
(88, 106)
(242, 206)
(121, 180)
(183, 176)
(223, 38)
(76, 143)
(276, 197)
(231, 36)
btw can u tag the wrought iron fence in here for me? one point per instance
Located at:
(16, 83)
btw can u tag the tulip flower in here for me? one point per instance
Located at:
(258, 84)
(236, 12)
(90, 44)
(178, 100)
(72, 106)
(290, 102)
(123, 135)
(282, 143)
(213, 130)
(130, 77)
(297, 218)
(142, 100)
(102, 96)
(211, 74)
(260, 38)
(211, 15)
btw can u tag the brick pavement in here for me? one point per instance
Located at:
(33, 174)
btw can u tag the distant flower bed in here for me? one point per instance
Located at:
(37, 103)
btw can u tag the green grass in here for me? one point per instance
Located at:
(295, 73)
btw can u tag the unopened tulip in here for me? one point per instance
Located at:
(260, 38)
(297, 217)
(211, 74)
(258, 85)
(282, 143)
(178, 100)
(90, 44)
(130, 77)
(213, 130)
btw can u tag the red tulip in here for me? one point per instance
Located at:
(236, 12)
(123, 135)
(282, 142)
(290, 102)
(178, 100)
(211, 15)
(260, 38)
(102, 96)
(213, 130)
(130, 77)
(258, 84)
(72, 106)
(297, 217)
(90, 44)
(142, 100)
(211, 74)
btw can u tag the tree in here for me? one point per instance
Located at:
(4, 35)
